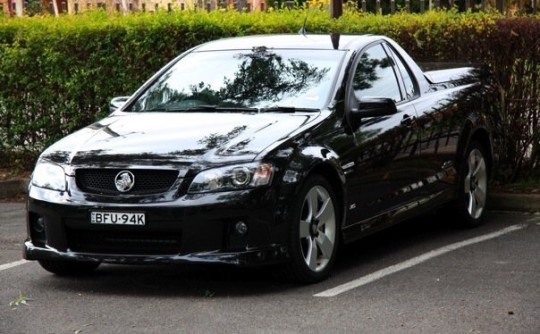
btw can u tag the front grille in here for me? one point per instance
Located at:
(147, 181)
(136, 243)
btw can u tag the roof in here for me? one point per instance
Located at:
(287, 41)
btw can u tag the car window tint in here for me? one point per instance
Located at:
(410, 88)
(257, 78)
(374, 75)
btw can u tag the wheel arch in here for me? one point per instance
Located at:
(329, 172)
(306, 163)
(482, 136)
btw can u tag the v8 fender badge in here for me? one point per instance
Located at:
(124, 181)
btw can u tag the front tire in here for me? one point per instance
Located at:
(473, 186)
(69, 268)
(313, 233)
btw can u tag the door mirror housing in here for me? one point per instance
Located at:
(370, 107)
(374, 107)
(118, 102)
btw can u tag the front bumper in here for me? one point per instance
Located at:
(196, 229)
(251, 257)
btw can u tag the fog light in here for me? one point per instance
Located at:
(241, 228)
(39, 226)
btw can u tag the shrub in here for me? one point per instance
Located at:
(59, 74)
(513, 54)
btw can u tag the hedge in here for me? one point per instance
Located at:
(59, 74)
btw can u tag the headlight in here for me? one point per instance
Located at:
(232, 178)
(50, 176)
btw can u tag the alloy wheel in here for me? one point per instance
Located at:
(317, 228)
(476, 183)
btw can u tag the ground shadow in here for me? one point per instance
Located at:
(372, 253)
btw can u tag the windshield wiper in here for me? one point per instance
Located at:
(174, 109)
(158, 109)
(220, 108)
(205, 108)
(201, 107)
(213, 108)
(286, 109)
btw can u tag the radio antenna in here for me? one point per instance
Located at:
(303, 30)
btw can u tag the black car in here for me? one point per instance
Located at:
(263, 150)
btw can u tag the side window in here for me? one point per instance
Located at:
(374, 75)
(410, 88)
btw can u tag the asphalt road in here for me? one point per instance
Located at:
(424, 276)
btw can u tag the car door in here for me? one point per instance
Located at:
(381, 168)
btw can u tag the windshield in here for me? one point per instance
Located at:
(244, 80)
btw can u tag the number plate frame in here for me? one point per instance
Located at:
(117, 218)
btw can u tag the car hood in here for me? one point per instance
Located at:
(129, 139)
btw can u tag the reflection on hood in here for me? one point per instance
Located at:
(173, 138)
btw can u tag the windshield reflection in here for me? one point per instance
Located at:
(233, 79)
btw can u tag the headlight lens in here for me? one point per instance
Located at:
(50, 176)
(232, 178)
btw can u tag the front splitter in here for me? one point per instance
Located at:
(250, 257)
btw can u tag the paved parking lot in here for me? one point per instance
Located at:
(424, 276)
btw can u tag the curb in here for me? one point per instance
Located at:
(12, 188)
(496, 201)
(514, 202)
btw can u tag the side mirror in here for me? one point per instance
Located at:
(371, 107)
(374, 107)
(118, 102)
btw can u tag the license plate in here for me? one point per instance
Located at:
(117, 218)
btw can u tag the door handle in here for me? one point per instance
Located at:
(407, 120)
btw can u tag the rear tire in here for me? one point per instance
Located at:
(69, 268)
(313, 233)
(473, 186)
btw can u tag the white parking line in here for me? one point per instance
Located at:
(413, 262)
(12, 264)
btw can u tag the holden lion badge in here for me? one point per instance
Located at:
(124, 181)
